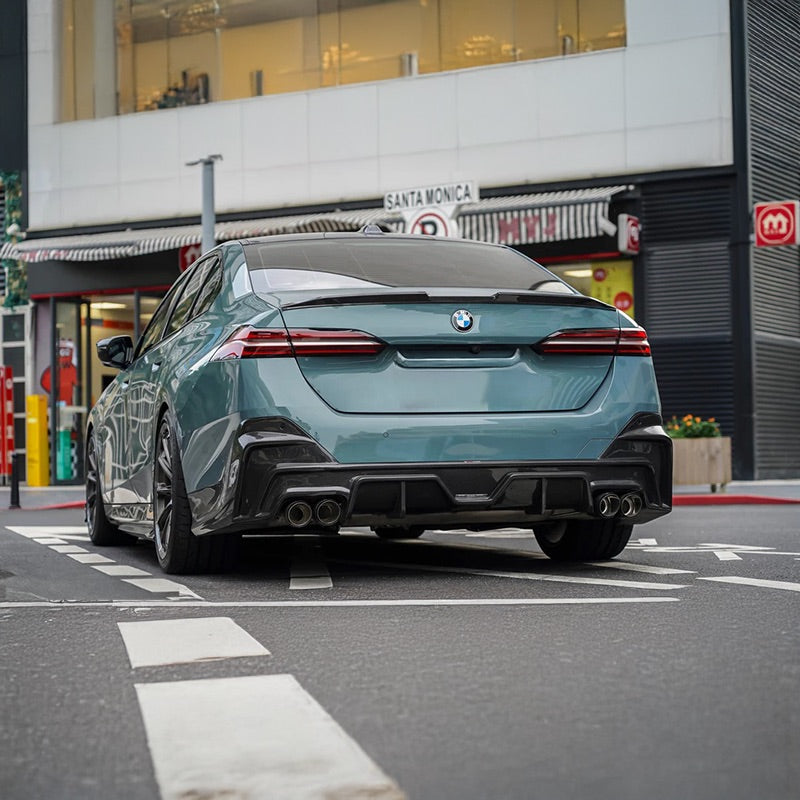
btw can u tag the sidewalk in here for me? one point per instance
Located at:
(42, 497)
(736, 493)
(739, 493)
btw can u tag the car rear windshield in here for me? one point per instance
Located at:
(364, 263)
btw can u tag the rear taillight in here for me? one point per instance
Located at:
(276, 342)
(597, 342)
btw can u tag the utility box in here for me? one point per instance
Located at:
(36, 446)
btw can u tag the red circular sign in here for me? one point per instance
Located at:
(776, 223)
(623, 301)
(599, 275)
(430, 223)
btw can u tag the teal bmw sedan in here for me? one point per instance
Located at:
(304, 383)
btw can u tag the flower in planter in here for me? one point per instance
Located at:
(692, 427)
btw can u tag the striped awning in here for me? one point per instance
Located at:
(129, 243)
(544, 217)
(512, 220)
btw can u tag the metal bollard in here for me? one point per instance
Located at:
(14, 500)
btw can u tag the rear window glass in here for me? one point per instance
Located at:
(366, 263)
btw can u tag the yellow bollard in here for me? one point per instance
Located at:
(36, 445)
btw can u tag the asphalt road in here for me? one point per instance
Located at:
(459, 666)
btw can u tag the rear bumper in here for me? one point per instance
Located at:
(282, 468)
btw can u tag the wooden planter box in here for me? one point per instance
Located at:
(700, 461)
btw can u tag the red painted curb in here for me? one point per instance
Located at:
(56, 506)
(730, 500)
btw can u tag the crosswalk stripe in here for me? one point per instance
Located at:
(761, 583)
(33, 531)
(90, 558)
(181, 641)
(159, 585)
(528, 576)
(261, 736)
(68, 548)
(121, 571)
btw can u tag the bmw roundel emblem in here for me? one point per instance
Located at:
(462, 320)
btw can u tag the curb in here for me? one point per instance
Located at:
(677, 500)
(56, 506)
(730, 500)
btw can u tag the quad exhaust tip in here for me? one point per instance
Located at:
(631, 505)
(328, 512)
(298, 514)
(608, 505)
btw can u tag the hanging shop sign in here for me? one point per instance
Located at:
(188, 254)
(431, 210)
(628, 229)
(6, 420)
(777, 223)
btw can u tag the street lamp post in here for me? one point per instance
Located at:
(208, 199)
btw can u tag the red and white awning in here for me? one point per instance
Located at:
(511, 220)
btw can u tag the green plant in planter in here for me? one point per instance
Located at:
(692, 427)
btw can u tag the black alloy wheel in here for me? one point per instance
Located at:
(583, 540)
(102, 532)
(179, 551)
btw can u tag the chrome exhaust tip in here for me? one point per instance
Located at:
(328, 512)
(608, 505)
(298, 514)
(631, 505)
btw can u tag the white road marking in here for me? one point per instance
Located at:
(33, 531)
(90, 558)
(648, 542)
(309, 575)
(500, 535)
(121, 571)
(717, 548)
(50, 540)
(182, 641)
(74, 537)
(68, 548)
(727, 555)
(527, 576)
(631, 567)
(159, 585)
(764, 584)
(491, 601)
(262, 737)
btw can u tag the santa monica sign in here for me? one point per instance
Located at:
(445, 194)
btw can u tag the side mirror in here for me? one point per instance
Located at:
(116, 352)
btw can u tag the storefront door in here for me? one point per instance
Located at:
(64, 381)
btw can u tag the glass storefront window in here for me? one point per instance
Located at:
(609, 281)
(138, 55)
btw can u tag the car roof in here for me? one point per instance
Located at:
(361, 236)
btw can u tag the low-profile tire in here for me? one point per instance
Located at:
(179, 551)
(102, 531)
(412, 532)
(583, 540)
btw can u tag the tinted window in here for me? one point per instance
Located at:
(194, 284)
(155, 329)
(393, 262)
(208, 291)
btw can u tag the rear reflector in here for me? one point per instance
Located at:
(276, 342)
(597, 342)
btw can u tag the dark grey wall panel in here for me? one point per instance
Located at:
(687, 211)
(773, 32)
(777, 393)
(696, 377)
(688, 290)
